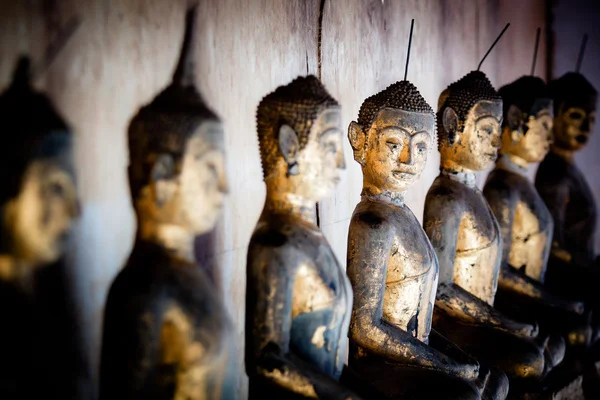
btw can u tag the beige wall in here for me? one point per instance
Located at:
(124, 53)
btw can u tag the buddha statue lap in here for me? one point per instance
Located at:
(38, 204)
(298, 299)
(393, 267)
(467, 239)
(525, 222)
(167, 334)
(573, 267)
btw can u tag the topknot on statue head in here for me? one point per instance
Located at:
(573, 90)
(461, 96)
(33, 130)
(528, 93)
(297, 104)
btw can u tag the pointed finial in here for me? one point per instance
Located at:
(52, 51)
(581, 52)
(535, 50)
(184, 74)
(412, 24)
(492, 46)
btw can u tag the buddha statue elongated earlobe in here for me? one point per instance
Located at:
(357, 138)
(289, 146)
(450, 124)
(513, 121)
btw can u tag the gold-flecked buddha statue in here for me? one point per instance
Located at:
(467, 239)
(393, 267)
(38, 204)
(524, 219)
(298, 298)
(573, 266)
(167, 334)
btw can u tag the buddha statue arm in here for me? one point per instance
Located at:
(460, 304)
(368, 254)
(503, 203)
(268, 326)
(556, 197)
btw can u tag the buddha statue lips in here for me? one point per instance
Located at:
(466, 236)
(392, 266)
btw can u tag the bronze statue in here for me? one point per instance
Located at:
(573, 266)
(525, 222)
(466, 236)
(298, 299)
(392, 265)
(39, 204)
(166, 331)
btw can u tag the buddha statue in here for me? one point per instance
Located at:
(467, 239)
(298, 298)
(525, 222)
(573, 266)
(166, 331)
(392, 266)
(38, 204)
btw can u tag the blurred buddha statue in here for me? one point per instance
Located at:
(573, 267)
(298, 298)
(467, 239)
(392, 265)
(39, 204)
(166, 332)
(525, 222)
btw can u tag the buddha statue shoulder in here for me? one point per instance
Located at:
(392, 265)
(167, 334)
(298, 299)
(467, 238)
(525, 222)
(39, 205)
(565, 191)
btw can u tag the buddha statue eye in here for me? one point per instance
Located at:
(576, 115)
(56, 189)
(421, 148)
(393, 145)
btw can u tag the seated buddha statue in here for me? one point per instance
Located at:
(39, 205)
(467, 239)
(298, 298)
(166, 331)
(573, 267)
(524, 219)
(392, 266)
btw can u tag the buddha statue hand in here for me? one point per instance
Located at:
(466, 366)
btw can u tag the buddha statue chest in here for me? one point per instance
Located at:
(412, 273)
(321, 295)
(478, 243)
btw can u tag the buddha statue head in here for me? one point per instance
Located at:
(300, 140)
(574, 110)
(527, 124)
(392, 138)
(38, 198)
(176, 155)
(468, 120)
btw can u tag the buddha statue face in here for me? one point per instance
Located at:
(575, 110)
(188, 189)
(528, 135)
(474, 145)
(41, 215)
(393, 150)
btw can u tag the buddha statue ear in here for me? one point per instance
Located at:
(162, 184)
(450, 121)
(513, 121)
(289, 147)
(357, 138)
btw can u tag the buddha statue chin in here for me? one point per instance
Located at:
(525, 222)
(38, 206)
(167, 334)
(573, 264)
(298, 299)
(467, 239)
(392, 266)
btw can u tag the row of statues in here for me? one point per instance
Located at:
(494, 292)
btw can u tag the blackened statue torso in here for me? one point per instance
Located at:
(531, 234)
(166, 334)
(318, 297)
(565, 191)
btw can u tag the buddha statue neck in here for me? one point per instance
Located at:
(512, 163)
(387, 197)
(465, 177)
(566, 154)
(290, 204)
(176, 240)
